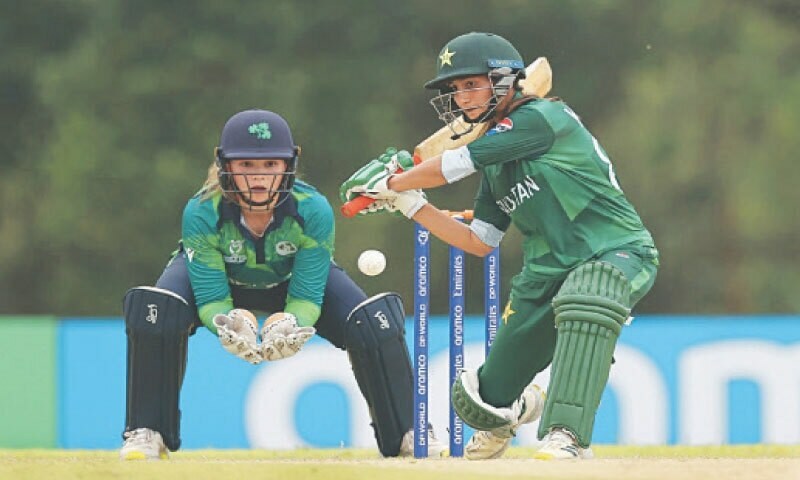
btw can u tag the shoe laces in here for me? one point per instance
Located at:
(140, 436)
(561, 437)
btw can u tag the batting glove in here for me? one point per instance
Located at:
(396, 160)
(390, 162)
(408, 202)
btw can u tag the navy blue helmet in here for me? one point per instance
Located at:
(257, 134)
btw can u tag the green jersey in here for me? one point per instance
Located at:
(297, 246)
(545, 173)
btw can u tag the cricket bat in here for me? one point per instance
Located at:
(538, 81)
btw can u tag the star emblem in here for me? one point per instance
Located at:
(507, 312)
(446, 56)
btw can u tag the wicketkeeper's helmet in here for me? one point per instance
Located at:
(257, 134)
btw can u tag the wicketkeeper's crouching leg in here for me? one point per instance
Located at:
(375, 337)
(158, 324)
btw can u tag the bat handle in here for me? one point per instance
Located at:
(351, 208)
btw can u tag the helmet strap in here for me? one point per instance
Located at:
(504, 90)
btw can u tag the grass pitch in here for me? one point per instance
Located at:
(612, 462)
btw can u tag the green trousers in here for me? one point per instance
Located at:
(526, 339)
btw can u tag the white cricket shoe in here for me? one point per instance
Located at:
(143, 444)
(436, 448)
(485, 445)
(561, 444)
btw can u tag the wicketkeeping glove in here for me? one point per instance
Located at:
(237, 334)
(281, 337)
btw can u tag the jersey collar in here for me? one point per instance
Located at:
(229, 211)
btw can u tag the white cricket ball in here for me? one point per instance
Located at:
(371, 262)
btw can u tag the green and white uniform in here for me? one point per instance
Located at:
(297, 246)
(544, 172)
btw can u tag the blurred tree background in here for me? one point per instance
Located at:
(110, 109)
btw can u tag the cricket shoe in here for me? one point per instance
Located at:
(143, 444)
(561, 444)
(486, 445)
(436, 448)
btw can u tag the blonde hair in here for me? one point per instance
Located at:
(211, 186)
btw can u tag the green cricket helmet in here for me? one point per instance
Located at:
(474, 54)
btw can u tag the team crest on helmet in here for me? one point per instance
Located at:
(446, 56)
(260, 130)
(504, 125)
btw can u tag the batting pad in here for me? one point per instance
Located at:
(590, 309)
(158, 324)
(376, 346)
(478, 414)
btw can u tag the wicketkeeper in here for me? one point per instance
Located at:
(587, 256)
(256, 238)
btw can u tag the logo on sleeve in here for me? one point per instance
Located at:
(505, 125)
(235, 248)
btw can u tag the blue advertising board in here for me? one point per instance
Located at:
(676, 380)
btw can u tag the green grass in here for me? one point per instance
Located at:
(612, 462)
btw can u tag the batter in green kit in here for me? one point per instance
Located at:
(544, 172)
(587, 256)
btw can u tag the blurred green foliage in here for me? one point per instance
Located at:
(110, 110)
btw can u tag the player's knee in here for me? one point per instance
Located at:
(595, 292)
(156, 311)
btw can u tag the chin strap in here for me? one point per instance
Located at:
(251, 205)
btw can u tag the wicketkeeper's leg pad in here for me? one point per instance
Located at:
(590, 309)
(158, 323)
(375, 339)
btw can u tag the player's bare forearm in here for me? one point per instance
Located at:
(451, 231)
(427, 174)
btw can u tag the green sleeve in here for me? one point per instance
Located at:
(524, 134)
(205, 264)
(313, 260)
(487, 210)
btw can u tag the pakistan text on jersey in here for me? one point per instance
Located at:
(518, 193)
